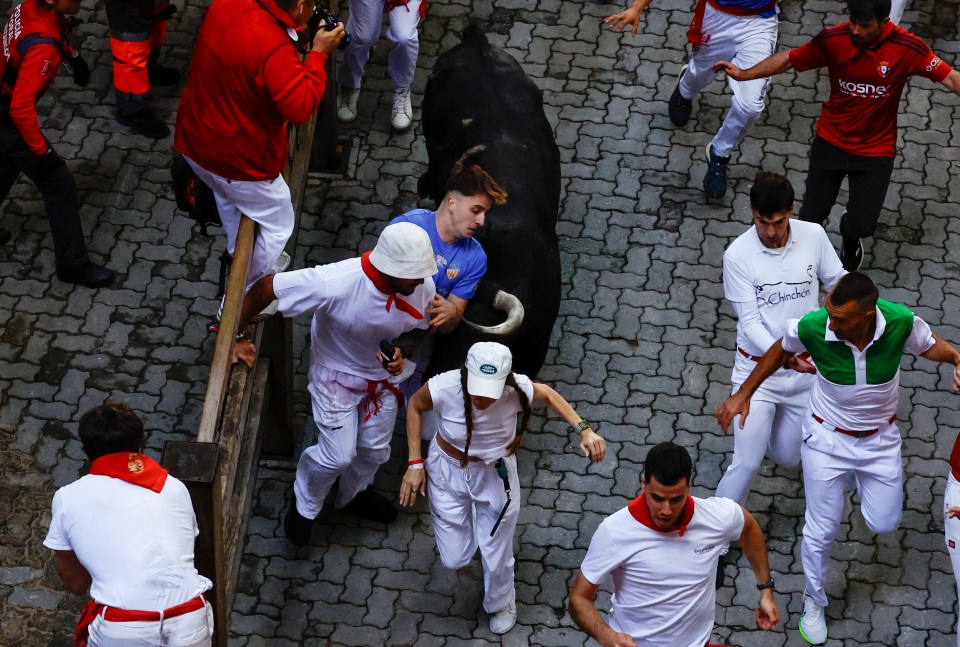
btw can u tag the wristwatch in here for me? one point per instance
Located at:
(765, 586)
(584, 425)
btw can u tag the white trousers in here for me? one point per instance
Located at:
(745, 41)
(896, 11)
(834, 463)
(772, 429)
(363, 24)
(465, 503)
(266, 202)
(194, 629)
(951, 531)
(353, 440)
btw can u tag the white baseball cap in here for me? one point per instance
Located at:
(488, 365)
(403, 251)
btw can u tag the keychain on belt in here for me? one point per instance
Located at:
(501, 466)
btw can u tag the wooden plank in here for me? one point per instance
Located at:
(223, 351)
(239, 499)
(197, 465)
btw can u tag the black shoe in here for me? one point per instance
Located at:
(163, 75)
(88, 275)
(679, 108)
(370, 505)
(145, 123)
(851, 249)
(715, 180)
(4, 236)
(297, 527)
(851, 254)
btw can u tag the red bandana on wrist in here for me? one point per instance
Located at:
(638, 508)
(131, 467)
(374, 275)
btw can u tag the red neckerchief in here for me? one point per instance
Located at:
(131, 467)
(374, 275)
(638, 508)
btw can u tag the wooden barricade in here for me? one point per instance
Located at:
(244, 411)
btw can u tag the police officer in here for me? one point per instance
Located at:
(35, 40)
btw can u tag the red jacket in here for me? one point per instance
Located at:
(246, 81)
(35, 64)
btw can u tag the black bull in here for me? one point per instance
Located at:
(478, 94)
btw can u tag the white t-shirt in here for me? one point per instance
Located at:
(350, 316)
(136, 544)
(663, 583)
(493, 428)
(768, 287)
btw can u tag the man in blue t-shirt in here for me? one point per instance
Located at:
(461, 262)
(470, 193)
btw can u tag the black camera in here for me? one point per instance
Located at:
(330, 23)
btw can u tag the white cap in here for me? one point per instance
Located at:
(403, 251)
(488, 365)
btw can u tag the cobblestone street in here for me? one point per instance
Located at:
(643, 345)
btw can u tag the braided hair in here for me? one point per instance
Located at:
(468, 414)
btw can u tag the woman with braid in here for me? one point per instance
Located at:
(472, 465)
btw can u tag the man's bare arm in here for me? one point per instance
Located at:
(942, 351)
(75, 578)
(583, 610)
(739, 403)
(779, 62)
(754, 547)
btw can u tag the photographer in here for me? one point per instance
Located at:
(246, 82)
(36, 39)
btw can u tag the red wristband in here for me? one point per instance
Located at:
(419, 461)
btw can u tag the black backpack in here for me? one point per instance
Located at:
(196, 199)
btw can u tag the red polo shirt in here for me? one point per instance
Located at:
(865, 84)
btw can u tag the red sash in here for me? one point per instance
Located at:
(695, 33)
(373, 274)
(91, 610)
(374, 402)
(639, 510)
(393, 4)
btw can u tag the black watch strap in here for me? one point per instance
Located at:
(765, 586)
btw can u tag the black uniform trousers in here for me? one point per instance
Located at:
(59, 191)
(868, 179)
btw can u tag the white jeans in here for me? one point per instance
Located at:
(951, 530)
(363, 24)
(353, 440)
(193, 629)
(772, 429)
(465, 503)
(834, 463)
(266, 202)
(745, 41)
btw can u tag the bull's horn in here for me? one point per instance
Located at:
(504, 302)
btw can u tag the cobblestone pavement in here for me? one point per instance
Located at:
(643, 345)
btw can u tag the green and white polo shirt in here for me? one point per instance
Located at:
(858, 389)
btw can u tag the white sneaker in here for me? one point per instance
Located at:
(813, 626)
(502, 621)
(347, 104)
(402, 114)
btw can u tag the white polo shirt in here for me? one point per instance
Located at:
(664, 583)
(768, 287)
(136, 544)
(494, 428)
(350, 316)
